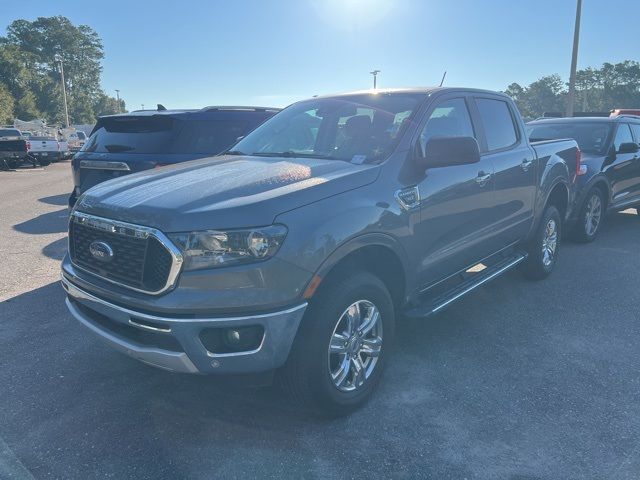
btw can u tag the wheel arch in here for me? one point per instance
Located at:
(376, 253)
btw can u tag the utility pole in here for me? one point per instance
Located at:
(375, 75)
(118, 98)
(58, 58)
(574, 62)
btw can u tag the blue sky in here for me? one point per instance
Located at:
(273, 52)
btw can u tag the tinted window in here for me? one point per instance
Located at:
(498, 123)
(592, 137)
(43, 139)
(9, 132)
(208, 136)
(356, 128)
(449, 119)
(635, 127)
(623, 135)
(166, 134)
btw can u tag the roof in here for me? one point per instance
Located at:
(178, 111)
(619, 118)
(415, 90)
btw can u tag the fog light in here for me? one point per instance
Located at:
(232, 340)
(233, 337)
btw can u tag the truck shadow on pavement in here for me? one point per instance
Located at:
(61, 200)
(52, 222)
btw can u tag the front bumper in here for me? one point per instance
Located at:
(174, 343)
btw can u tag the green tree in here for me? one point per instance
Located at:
(6, 105)
(39, 42)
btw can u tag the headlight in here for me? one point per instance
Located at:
(214, 248)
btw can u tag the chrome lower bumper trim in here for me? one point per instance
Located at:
(280, 329)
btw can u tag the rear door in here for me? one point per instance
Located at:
(635, 172)
(622, 168)
(455, 227)
(506, 146)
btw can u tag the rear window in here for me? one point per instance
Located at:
(9, 132)
(166, 134)
(44, 139)
(592, 137)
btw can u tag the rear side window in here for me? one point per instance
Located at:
(449, 119)
(623, 135)
(498, 123)
(208, 136)
(636, 131)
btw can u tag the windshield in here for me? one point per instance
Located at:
(357, 128)
(592, 137)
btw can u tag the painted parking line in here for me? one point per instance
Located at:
(10, 466)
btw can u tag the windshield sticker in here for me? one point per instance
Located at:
(358, 159)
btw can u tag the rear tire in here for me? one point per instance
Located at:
(590, 218)
(43, 162)
(340, 350)
(543, 248)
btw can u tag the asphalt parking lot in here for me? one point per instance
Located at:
(519, 380)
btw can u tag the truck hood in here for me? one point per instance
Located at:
(222, 192)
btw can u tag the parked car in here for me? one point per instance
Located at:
(142, 140)
(45, 149)
(65, 152)
(296, 251)
(76, 141)
(625, 111)
(609, 175)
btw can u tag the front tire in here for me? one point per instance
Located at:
(590, 217)
(341, 347)
(543, 248)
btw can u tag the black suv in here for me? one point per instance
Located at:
(145, 139)
(609, 173)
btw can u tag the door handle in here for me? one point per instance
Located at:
(526, 163)
(483, 178)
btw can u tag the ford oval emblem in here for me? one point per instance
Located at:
(101, 251)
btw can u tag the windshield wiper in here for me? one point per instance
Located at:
(233, 152)
(290, 154)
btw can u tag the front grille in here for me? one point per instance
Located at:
(138, 259)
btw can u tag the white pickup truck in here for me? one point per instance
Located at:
(45, 149)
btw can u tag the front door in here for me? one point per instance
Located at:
(455, 228)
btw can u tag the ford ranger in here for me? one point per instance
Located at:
(295, 252)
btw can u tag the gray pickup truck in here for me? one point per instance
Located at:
(294, 253)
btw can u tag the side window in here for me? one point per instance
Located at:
(449, 119)
(623, 135)
(636, 131)
(498, 123)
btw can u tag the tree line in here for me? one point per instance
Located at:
(597, 90)
(30, 76)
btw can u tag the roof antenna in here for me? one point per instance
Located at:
(443, 77)
(161, 107)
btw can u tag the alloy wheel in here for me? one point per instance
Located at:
(355, 346)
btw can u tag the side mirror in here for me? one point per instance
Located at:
(629, 147)
(449, 151)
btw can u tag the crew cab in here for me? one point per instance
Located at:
(295, 252)
(609, 174)
(141, 140)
